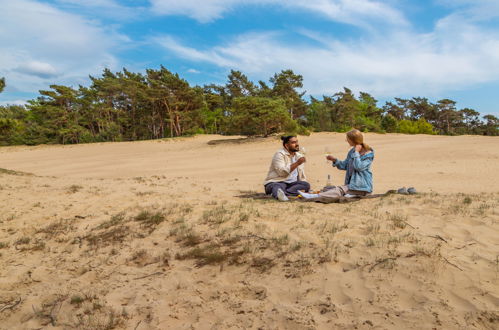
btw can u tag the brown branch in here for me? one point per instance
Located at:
(465, 245)
(153, 274)
(6, 307)
(409, 225)
(379, 262)
(450, 263)
(438, 237)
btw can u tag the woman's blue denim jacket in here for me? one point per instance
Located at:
(359, 175)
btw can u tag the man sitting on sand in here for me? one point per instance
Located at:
(287, 171)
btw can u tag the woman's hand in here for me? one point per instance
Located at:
(358, 148)
(331, 158)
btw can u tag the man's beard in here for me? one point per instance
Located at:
(294, 149)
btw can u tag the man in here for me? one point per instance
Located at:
(287, 171)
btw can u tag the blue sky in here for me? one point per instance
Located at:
(389, 48)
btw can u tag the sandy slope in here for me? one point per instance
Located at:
(153, 235)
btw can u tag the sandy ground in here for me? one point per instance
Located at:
(166, 235)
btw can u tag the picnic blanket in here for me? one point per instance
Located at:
(324, 200)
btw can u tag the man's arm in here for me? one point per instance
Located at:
(300, 161)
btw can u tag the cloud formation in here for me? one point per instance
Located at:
(63, 41)
(50, 43)
(355, 12)
(37, 69)
(455, 55)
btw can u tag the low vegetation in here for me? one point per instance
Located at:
(158, 104)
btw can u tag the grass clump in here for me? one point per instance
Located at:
(204, 255)
(116, 234)
(150, 219)
(74, 189)
(217, 215)
(23, 240)
(114, 221)
(398, 220)
(11, 172)
(76, 300)
(56, 228)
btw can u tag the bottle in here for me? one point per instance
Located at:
(329, 183)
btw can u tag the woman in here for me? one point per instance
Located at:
(358, 178)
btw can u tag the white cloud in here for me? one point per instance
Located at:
(40, 42)
(38, 69)
(106, 8)
(356, 12)
(477, 10)
(455, 55)
(193, 71)
(13, 102)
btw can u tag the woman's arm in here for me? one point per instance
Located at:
(359, 164)
(341, 164)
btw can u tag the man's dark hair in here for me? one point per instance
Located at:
(285, 138)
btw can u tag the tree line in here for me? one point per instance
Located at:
(127, 106)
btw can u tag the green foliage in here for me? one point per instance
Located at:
(420, 126)
(252, 115)
(12, 125)
(127, 106)
(389, 123)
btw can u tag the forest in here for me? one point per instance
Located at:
(128, 106)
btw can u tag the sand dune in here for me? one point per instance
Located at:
(165, 235)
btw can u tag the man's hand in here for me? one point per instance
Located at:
(331, 158)
(301, 160)
(358, 147)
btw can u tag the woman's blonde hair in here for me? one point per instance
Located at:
(356, 137)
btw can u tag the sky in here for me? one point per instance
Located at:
(388, 48)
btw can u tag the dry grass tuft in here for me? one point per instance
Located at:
(73, 189)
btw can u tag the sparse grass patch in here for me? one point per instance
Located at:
(244, 216)
(185, 209)
(11, 172)
(369, 241)
(204, 255)
(56, 228)
(393, 240)
(398, 220)
(191, 239)
(281, 240)
(263, 264)
(73, 189)
(46, 314)
(76, 300)
(23, 240)
(4, 245)
(116, 234)
(217, 215)
(333, 228)
(150, 219)
(424, 251)
(116, 219)
(482, 208)
(295, 246)
(373, 228)
(144, 193)
(301, 208)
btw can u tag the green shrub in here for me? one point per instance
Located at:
(415, 127)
